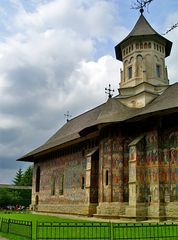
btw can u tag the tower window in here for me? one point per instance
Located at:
(130, 72)
(145, 45)
(158, 70)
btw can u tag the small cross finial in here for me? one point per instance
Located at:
(109, 91)
(141, 5)
(141, 10)
(67, 115)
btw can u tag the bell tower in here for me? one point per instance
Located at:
(144, 74)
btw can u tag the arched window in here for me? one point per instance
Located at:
(129, 72)
(158, 70)
(145, 45)
(137, 45)
(38, 179)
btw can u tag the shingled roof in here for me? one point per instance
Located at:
(111, 111)
(143, 29)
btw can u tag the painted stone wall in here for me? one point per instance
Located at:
(113, 176)
(113, 162)
(68, 183)
(61, 183)
(152, 166)
(169, 166)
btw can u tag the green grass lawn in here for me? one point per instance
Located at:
(31, 217)
(74, 229)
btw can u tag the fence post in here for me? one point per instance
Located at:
(1, 225)
(111, 231)
(8, 224)
(31, 230)
(36, 230)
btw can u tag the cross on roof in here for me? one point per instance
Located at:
(109, 91)
(67, 115)
(141, 4)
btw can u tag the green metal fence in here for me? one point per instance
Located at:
(90, 230)
(102, 231)
(56, 230)
(145, 231)
(17, 227)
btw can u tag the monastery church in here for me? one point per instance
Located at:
(119, 159)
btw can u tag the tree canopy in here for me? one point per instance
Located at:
(11, 197)
(23, 178)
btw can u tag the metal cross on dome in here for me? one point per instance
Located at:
(68, 116)
(141, 4)
(109, 91)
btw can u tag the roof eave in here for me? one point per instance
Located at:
(118, 47)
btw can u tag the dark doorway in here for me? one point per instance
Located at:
(94, 177)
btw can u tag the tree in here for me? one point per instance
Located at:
(171, 28)
(27, 177)
(8, 197)
(18, 177)
(22, 196)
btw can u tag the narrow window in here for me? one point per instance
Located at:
(129, 72)
(52, 185)
(38, 179)
(61, 185)
(83, 183)
(107, 178)
(158, 70)
(145, 45)
(37, 200)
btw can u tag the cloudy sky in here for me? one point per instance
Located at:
(58, 56)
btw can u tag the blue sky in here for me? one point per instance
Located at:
(58, 55)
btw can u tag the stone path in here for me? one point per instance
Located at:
(3, 238)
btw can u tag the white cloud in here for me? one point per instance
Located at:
(51, 61)
(172, 62)
(47, 68)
